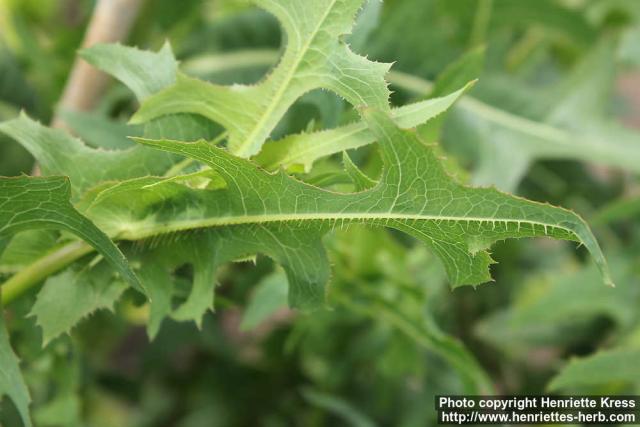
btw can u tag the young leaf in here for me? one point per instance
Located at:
(68, 297)
(314, 57)
(43, 203)
(285, 218)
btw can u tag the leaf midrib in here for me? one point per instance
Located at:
(141, 232)
(285, 84)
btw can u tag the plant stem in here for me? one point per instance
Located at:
(30, 276)
(481, 23)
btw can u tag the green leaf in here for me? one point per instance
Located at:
(401, 291)
(269, 296)
(284, 218)
(145, 73)
(546, 307)
(11, 381)
(605, 367)
(70, 296)
(204, 253)
(338, 406)
(98, 131)
(58, 153)
(360, 180)
(314, 57)
(32, 244)
(43, 203)
(304, 149)
(569, 123)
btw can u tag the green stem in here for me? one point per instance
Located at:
(481, 23)
(30, 276)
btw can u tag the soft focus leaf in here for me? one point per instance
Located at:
(68, 297)
(269, 296)
(11, 381)
(58, 153)
(605, 367)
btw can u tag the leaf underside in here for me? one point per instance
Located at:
(275, 214)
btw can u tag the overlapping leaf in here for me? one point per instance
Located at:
(304, 149)
(68, 297)
(315, 57)
(31, 203)
(43, 203)
(58, 153)
(285, 218)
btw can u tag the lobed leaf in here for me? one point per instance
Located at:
(284, 218)
(70, 296)
(304, 149)
(145, 73)
(314, 57)
(58, 153)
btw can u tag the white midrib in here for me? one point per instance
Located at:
(248, 142)
(139, 231)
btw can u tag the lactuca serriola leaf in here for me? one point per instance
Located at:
(282, 217)
(315, 57)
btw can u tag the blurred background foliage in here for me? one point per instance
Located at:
(555, 117)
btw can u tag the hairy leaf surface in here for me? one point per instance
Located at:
(275, 214)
